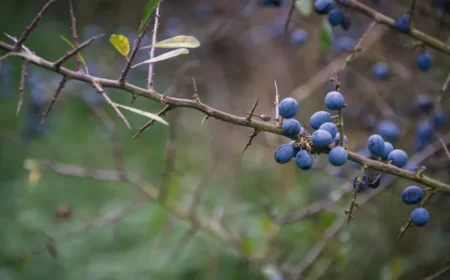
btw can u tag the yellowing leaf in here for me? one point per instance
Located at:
(34, 176)
(248, 247)
(164, 56)
(79, 54)
(143, 113)
(121, 43)
(181, 41)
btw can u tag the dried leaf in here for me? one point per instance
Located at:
(164, 56)
(181, 41)
(143, 113)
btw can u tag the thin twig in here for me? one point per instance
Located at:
(252, 111)
(444, 146)
(411, 13)
(23, 76)
(250, 140)
(152, 49)
(76, 43)
(289, 17)
(100, 90)
(439, 273)
(152, 121)
(75, 51)
(33, 24)
(136, 45)
(58, 90)
(353, 203)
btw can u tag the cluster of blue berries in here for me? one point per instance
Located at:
(413, 195)
(325, 136)
(336, 16)
(384, 150)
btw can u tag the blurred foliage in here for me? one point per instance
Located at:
(61, 227)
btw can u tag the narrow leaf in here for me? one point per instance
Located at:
(181, 41)
(148, 10)
(326, 32)
(121, 43)
(304, 7)
(79, 54)
(143, 113)
(31, 57)
(164, 56)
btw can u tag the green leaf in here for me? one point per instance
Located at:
(79, 54)
(148, 10)
(304, 7)
(181, 41)
(143, 113)
(121, 43)
(247, 246)
(164, 56)
(326, 33)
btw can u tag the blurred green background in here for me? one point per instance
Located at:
(55, 226)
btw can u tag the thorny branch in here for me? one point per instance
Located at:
(226, 117)
(152, 49)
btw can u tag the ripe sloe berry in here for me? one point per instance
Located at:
(337, 138)
(375, 144)
(288, 107)
(304, 160)
(424, 61)
(319, 118)
(346, 22)
(338, 156)
(363, 185)
(389, 130)
(291, 127)
(284, 153)
(398, 158)
(412, 195)
(345, 43)
(388, 148)
(402, 23)
(425, 103)
(321, 138)
(323, 7)
(439, 118)
(335, 16)
(420, 217)
(424, 130)
(380, 71)
(334, 100)
(275, 3)
(330, 127)
(299, 37)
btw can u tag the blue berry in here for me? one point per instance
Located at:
(345, 43)
(288, 107)
(375, 144)
(425, 103)
(389, 130)
(388, 148)
(334, 100)
(363, 185)
(335, 16)
(412, 195)
(380, 71)
(321, 138)
(330, 127)
(424, 61)
(284, 153)
(346, 22)
(275, 3)
(424, 131)
(319, 118)
(291, 127)
(299, 37)
(338, 156)
(304, 160)
(439, 118)
(398, 158)
(402, 23)
(337, 138)
(323, 7)
(420, 217)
